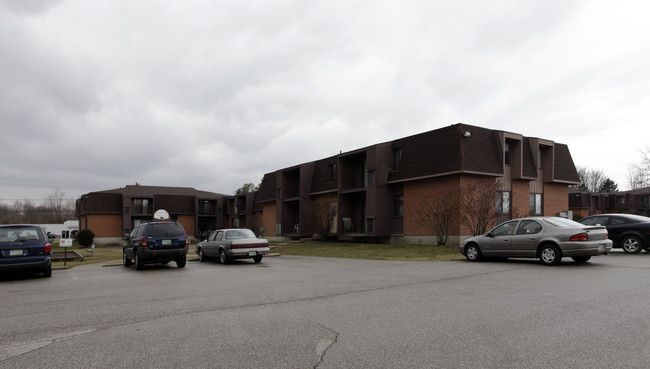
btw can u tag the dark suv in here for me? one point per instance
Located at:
(25, 247)
(156, 242)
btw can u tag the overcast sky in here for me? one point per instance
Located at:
(96, 95)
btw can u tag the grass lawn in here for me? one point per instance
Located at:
(400, 252)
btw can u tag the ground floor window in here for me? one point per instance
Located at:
(503, 202)
(536, 204)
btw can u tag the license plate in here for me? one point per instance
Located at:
(602, 248)
(15, 252)
(166, 242)
(252, 253)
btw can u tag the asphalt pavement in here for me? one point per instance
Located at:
(307, 312)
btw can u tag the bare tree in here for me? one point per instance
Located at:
(591, 180)
(438, 213)
(638, 175)
(323, 214)
(478, 205)
(61, 210)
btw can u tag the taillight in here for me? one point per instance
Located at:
(48, 248)
(579, 237)
(143, 242)
(187, 240)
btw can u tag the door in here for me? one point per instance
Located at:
(497, 241)
(525, 240)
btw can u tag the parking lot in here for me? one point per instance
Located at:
(306, 312)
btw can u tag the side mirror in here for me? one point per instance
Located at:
(489, 234)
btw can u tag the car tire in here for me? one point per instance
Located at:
(180, 262)
(257, 259)
(223, 258)
(126, 261)
(201, 255)
(550, 255)
(47, 272)
(581, 259)
(631, 245)
(139, 263)
(472, 252)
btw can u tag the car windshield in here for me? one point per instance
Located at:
(165, 229)
(240, 233)
(20, 234)
(562, 222)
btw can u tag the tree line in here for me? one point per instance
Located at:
(54, 210)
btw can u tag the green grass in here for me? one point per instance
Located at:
(399, 252)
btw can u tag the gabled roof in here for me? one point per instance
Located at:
(148, 191)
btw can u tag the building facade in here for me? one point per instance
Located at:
(374, 193)
(113, 213)
(583, 203)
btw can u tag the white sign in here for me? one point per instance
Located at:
(65, 242)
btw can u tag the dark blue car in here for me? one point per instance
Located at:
(25, 247)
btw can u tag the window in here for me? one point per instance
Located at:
(141, 206)
(620, 200)
(398, 205)
(529, 227)
(646, 201)
(504, 229)
(503, 202)
(332, 172)
(508, 156)
(397, 158)
(535, 203)
(206, 206)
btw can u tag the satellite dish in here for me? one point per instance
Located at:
(161, 214)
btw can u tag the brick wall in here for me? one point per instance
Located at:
(556, 198)
(414, 192)
(520, 199)
(268, 218)
(187, 221)
(104, 225)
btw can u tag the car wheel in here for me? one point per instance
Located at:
(180, 262)
(223, 258)
(139, 263)
(257, 259)
(550, 255)
(201, 255)
(47, 272)
(581, 259)
(473, 253)
(125, 259)
(631, 245)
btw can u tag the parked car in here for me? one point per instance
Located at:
(227, 244)
(627, 231)
(156, 242)
(25, 247)
(547, 238)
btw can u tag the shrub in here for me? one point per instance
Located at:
(85, 237)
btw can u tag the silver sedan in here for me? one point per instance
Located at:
(546, 238)
(228, 244)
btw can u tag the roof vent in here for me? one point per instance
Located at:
(466, 134)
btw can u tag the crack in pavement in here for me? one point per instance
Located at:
(324, 345)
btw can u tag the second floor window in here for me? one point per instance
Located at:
(397, 158)
(141, 206)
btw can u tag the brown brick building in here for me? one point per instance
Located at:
(111, 214)
(375, 191)
(584, 203)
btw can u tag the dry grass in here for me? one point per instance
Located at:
(400, 252)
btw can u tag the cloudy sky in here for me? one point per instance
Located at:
(212, 94)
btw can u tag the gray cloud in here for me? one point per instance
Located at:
(215, 94)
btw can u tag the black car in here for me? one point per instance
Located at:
(627, 231)
(25, 247)
(156, 242)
